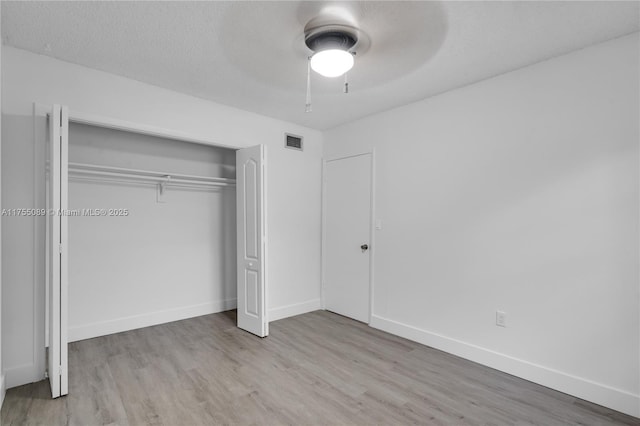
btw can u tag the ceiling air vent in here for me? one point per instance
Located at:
(293, 141)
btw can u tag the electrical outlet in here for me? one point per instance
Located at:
(501, 319)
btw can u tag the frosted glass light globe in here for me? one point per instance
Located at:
(332, 62)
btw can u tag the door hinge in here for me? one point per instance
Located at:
(60, 248)
(60, 370)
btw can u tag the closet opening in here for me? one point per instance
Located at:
(152, 230)
(148, 229)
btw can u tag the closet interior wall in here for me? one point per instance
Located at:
(156, 259)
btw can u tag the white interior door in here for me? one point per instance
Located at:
(250, 199)
(57, 250)
(347, 232)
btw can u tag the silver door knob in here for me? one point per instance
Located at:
(364, 247)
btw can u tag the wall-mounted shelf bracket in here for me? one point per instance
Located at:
(162, 187)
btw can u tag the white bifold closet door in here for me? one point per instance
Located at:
(251, 244)
(250, 200)
(57, 250)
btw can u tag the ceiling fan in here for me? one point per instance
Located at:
(371, 43)
(333, 47)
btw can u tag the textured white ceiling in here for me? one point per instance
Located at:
(251, 55)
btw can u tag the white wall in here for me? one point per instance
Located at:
(518, 193)
(293, 186)
(163, 261)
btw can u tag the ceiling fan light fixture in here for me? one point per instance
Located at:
(333, 48)
(332, 62)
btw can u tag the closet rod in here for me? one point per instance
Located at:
(171, 179)
(120, 178)
(150, 182)
(168, 179)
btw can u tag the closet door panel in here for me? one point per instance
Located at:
(250, 201)
(57, 250)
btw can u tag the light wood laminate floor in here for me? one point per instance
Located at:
(317, 368)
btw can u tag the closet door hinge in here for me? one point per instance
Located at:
(60, 370)
(60, 248)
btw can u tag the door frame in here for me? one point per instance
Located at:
(41, 110)
(372, 219)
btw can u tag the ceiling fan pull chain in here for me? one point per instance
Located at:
(308, 105)
(346, 83)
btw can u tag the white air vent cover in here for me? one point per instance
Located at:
(293, 141)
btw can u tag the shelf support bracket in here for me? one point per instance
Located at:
(162, 187)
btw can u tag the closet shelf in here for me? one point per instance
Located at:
(94, 172)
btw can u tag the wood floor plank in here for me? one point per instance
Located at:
(318, 368)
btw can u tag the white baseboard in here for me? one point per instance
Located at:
(295, 309)
(598, 393)
(118, 325)
(21, 375)
(3, 390)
